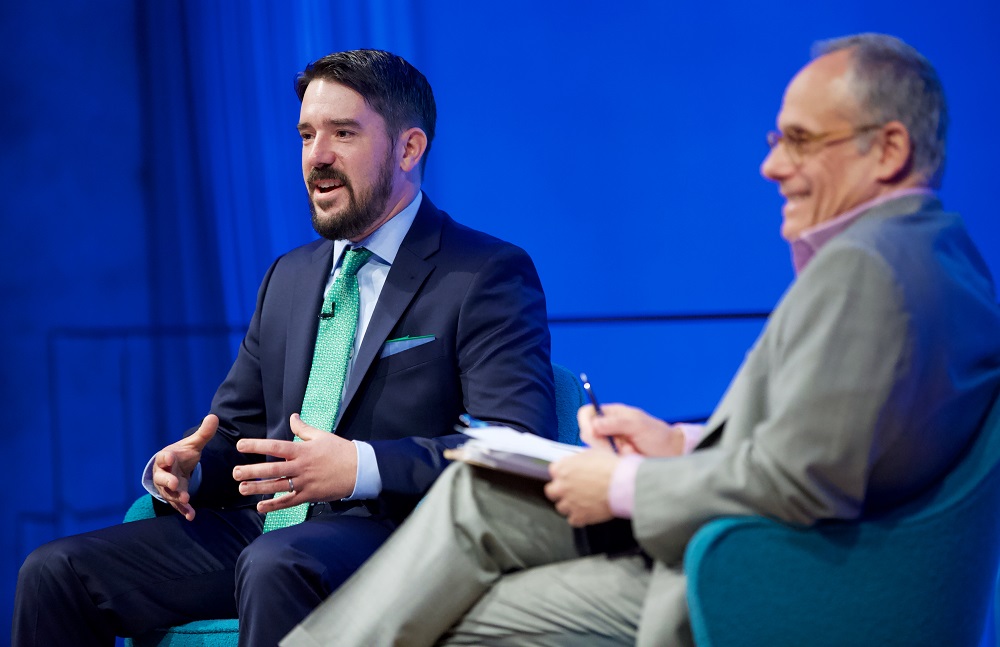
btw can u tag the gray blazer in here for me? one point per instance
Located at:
(869, 379)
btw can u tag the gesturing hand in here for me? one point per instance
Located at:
(323, 467)
(174, 464)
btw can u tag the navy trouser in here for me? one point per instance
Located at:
(127, 579)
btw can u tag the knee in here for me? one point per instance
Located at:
(264, 561)
(458, 475)
(52, 573)
(51, 562)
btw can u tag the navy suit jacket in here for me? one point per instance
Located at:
(479, 297)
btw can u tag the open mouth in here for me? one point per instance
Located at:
(325, 187)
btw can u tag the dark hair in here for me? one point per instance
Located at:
(390, 86)
(893, 82)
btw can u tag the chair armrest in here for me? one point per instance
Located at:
(142, 508)
(755, 581)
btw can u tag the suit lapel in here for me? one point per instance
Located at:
(302, 324)
(408, 272)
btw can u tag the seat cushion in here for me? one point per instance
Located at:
(200, 633)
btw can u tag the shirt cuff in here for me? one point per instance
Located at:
(621, 491)
(147, 480)
(368, 482)
(692, 435)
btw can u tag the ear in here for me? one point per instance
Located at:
(413, 143)
(896, 158)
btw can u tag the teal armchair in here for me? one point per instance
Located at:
(225, 633)
(569, 398)
(922, 575)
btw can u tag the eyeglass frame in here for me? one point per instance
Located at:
(796, 147)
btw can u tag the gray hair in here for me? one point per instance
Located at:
(894, 82)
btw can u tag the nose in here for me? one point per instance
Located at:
(776, 165)
(319, 153)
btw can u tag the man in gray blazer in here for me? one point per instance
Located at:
(870, 378)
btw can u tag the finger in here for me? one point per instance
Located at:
(268, 470)
(626, 448)
(174, 496)
(606, 426)
(280, 502)
(609, 425)
(623, 420)
(185, 509)
(164, 479)
(205, 432)
(617, 428)
(279, 448)
(552, 491)
(269, 486)
(603, 443)
(584, 417)
(164, 459)
(175, 490)
(563, 508)
(301, 429)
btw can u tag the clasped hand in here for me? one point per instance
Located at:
(323, 467)
(580, 483)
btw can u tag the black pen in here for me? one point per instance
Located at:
(597, 406)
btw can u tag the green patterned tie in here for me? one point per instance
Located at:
(334, 345)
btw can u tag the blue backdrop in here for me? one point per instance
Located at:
(150, 172)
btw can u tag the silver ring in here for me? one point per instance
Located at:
(291, 486)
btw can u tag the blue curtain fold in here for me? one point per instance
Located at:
(218, 86)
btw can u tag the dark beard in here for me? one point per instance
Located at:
(362, 210)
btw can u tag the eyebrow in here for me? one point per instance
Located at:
(796, 130)
(336, 123)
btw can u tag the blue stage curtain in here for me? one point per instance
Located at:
(222, 162)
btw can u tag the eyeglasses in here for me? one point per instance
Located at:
(799, 144)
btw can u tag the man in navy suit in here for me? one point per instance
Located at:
(450, 320)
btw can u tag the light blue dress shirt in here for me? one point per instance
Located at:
(383, 243)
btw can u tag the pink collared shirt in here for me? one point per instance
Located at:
(805, 246)
(621, 491)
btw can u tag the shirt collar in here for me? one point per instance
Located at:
(384, 242)
(805, 246)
